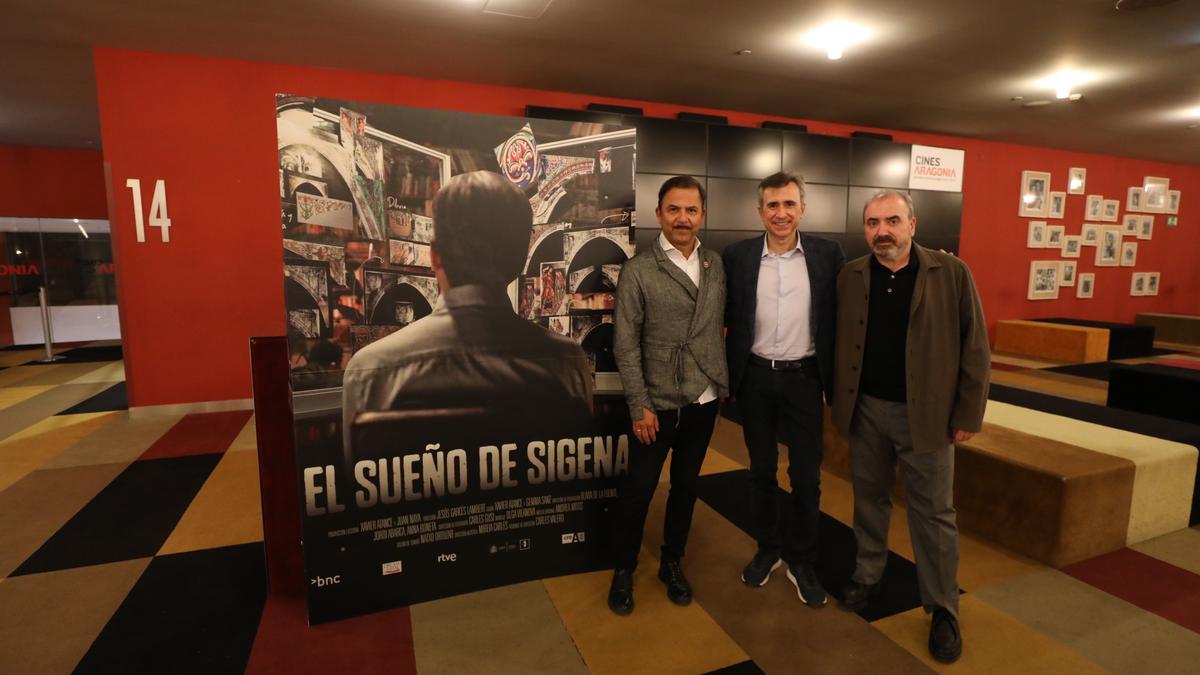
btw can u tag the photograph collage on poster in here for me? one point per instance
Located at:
(1037, 200)
(356, 187)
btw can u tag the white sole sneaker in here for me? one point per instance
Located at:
(800, 593)
(777, 565)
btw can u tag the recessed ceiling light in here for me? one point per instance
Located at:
(743, 52)
(1063, 81)
(834, 37)
(1035, 104)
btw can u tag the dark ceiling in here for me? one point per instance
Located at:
(944, 66)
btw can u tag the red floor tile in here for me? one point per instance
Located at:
(1149, 583)
(199, 434)
(375, 643)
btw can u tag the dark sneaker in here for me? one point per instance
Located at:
(670, 572)
(945, 640)
(758, 571)
(805, 580)
(620, 593)
(856, 596)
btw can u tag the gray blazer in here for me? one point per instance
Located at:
(669, 342)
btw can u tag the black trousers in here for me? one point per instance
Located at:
(784, 406)
(685, 433)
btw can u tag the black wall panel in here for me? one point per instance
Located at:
(670, 146)
(743, 152)
(817, 158)
(879, 163)
(733, 204)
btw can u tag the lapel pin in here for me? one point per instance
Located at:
(707, 264)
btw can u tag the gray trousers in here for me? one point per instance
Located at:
(879, 436)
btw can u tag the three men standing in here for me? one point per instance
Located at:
(781, 317)
(912, 379)
(669, 349)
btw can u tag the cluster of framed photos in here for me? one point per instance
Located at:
(1047, 276)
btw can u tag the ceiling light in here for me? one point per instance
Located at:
(1064, 81)
(835, 36)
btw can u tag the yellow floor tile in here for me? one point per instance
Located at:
(14, 395)
(226, 511)
(993, 642)
(50, 620)
(246, 439)
(111, 372)
(27, 450)
(658, 637)
(52, 374)
(121, 440)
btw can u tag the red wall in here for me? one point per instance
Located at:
(51, 183)
(207, 126)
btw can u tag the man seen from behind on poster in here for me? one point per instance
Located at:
(670, 351)
(911, 372)
(473, 350)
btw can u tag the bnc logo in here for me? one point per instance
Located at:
(447, 557)
(573, 537)
(321, 582)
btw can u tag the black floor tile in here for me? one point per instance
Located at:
(86, 355)
(194, 612)
(130, 518)
(729, 494)
(113, 398)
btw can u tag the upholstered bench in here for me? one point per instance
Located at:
(1164, 471)
(1058, 342)
(1180, 328)
(1054, 502)
(1125, 340)
(1154, 389)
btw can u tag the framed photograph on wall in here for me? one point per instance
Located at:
(1154, 197)
(1151, 283)
(1086, 285)
(1111, 209)
(1035, 194)
(1129, 254)
(1068, 268)
(1172, 201)
(1043, 280)
(1137, 284)
(1036, 238)
(1072, 246)
(1146, 231)
(1094, 209)
(1054, 236)
(1133, 199)
(1131, 225)
(1108, 248)
(1077, 180)
(1058, 204)
(1090, 234)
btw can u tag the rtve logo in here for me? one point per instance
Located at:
(447, 557)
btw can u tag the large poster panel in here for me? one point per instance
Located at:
(449, 283)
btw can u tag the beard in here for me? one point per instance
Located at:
(885, 247)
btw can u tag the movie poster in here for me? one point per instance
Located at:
(416, 481)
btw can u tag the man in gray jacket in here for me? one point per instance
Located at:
(670, 351)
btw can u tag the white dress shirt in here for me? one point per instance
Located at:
(782, 316)
(690, 267)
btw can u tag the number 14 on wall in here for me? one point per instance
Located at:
(158, 209)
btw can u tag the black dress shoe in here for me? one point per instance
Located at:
(856, 596)
(670, 572)
(945, 640)
(620, 593)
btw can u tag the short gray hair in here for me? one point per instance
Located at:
(885, 194)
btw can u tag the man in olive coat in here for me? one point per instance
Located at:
(911, 373)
